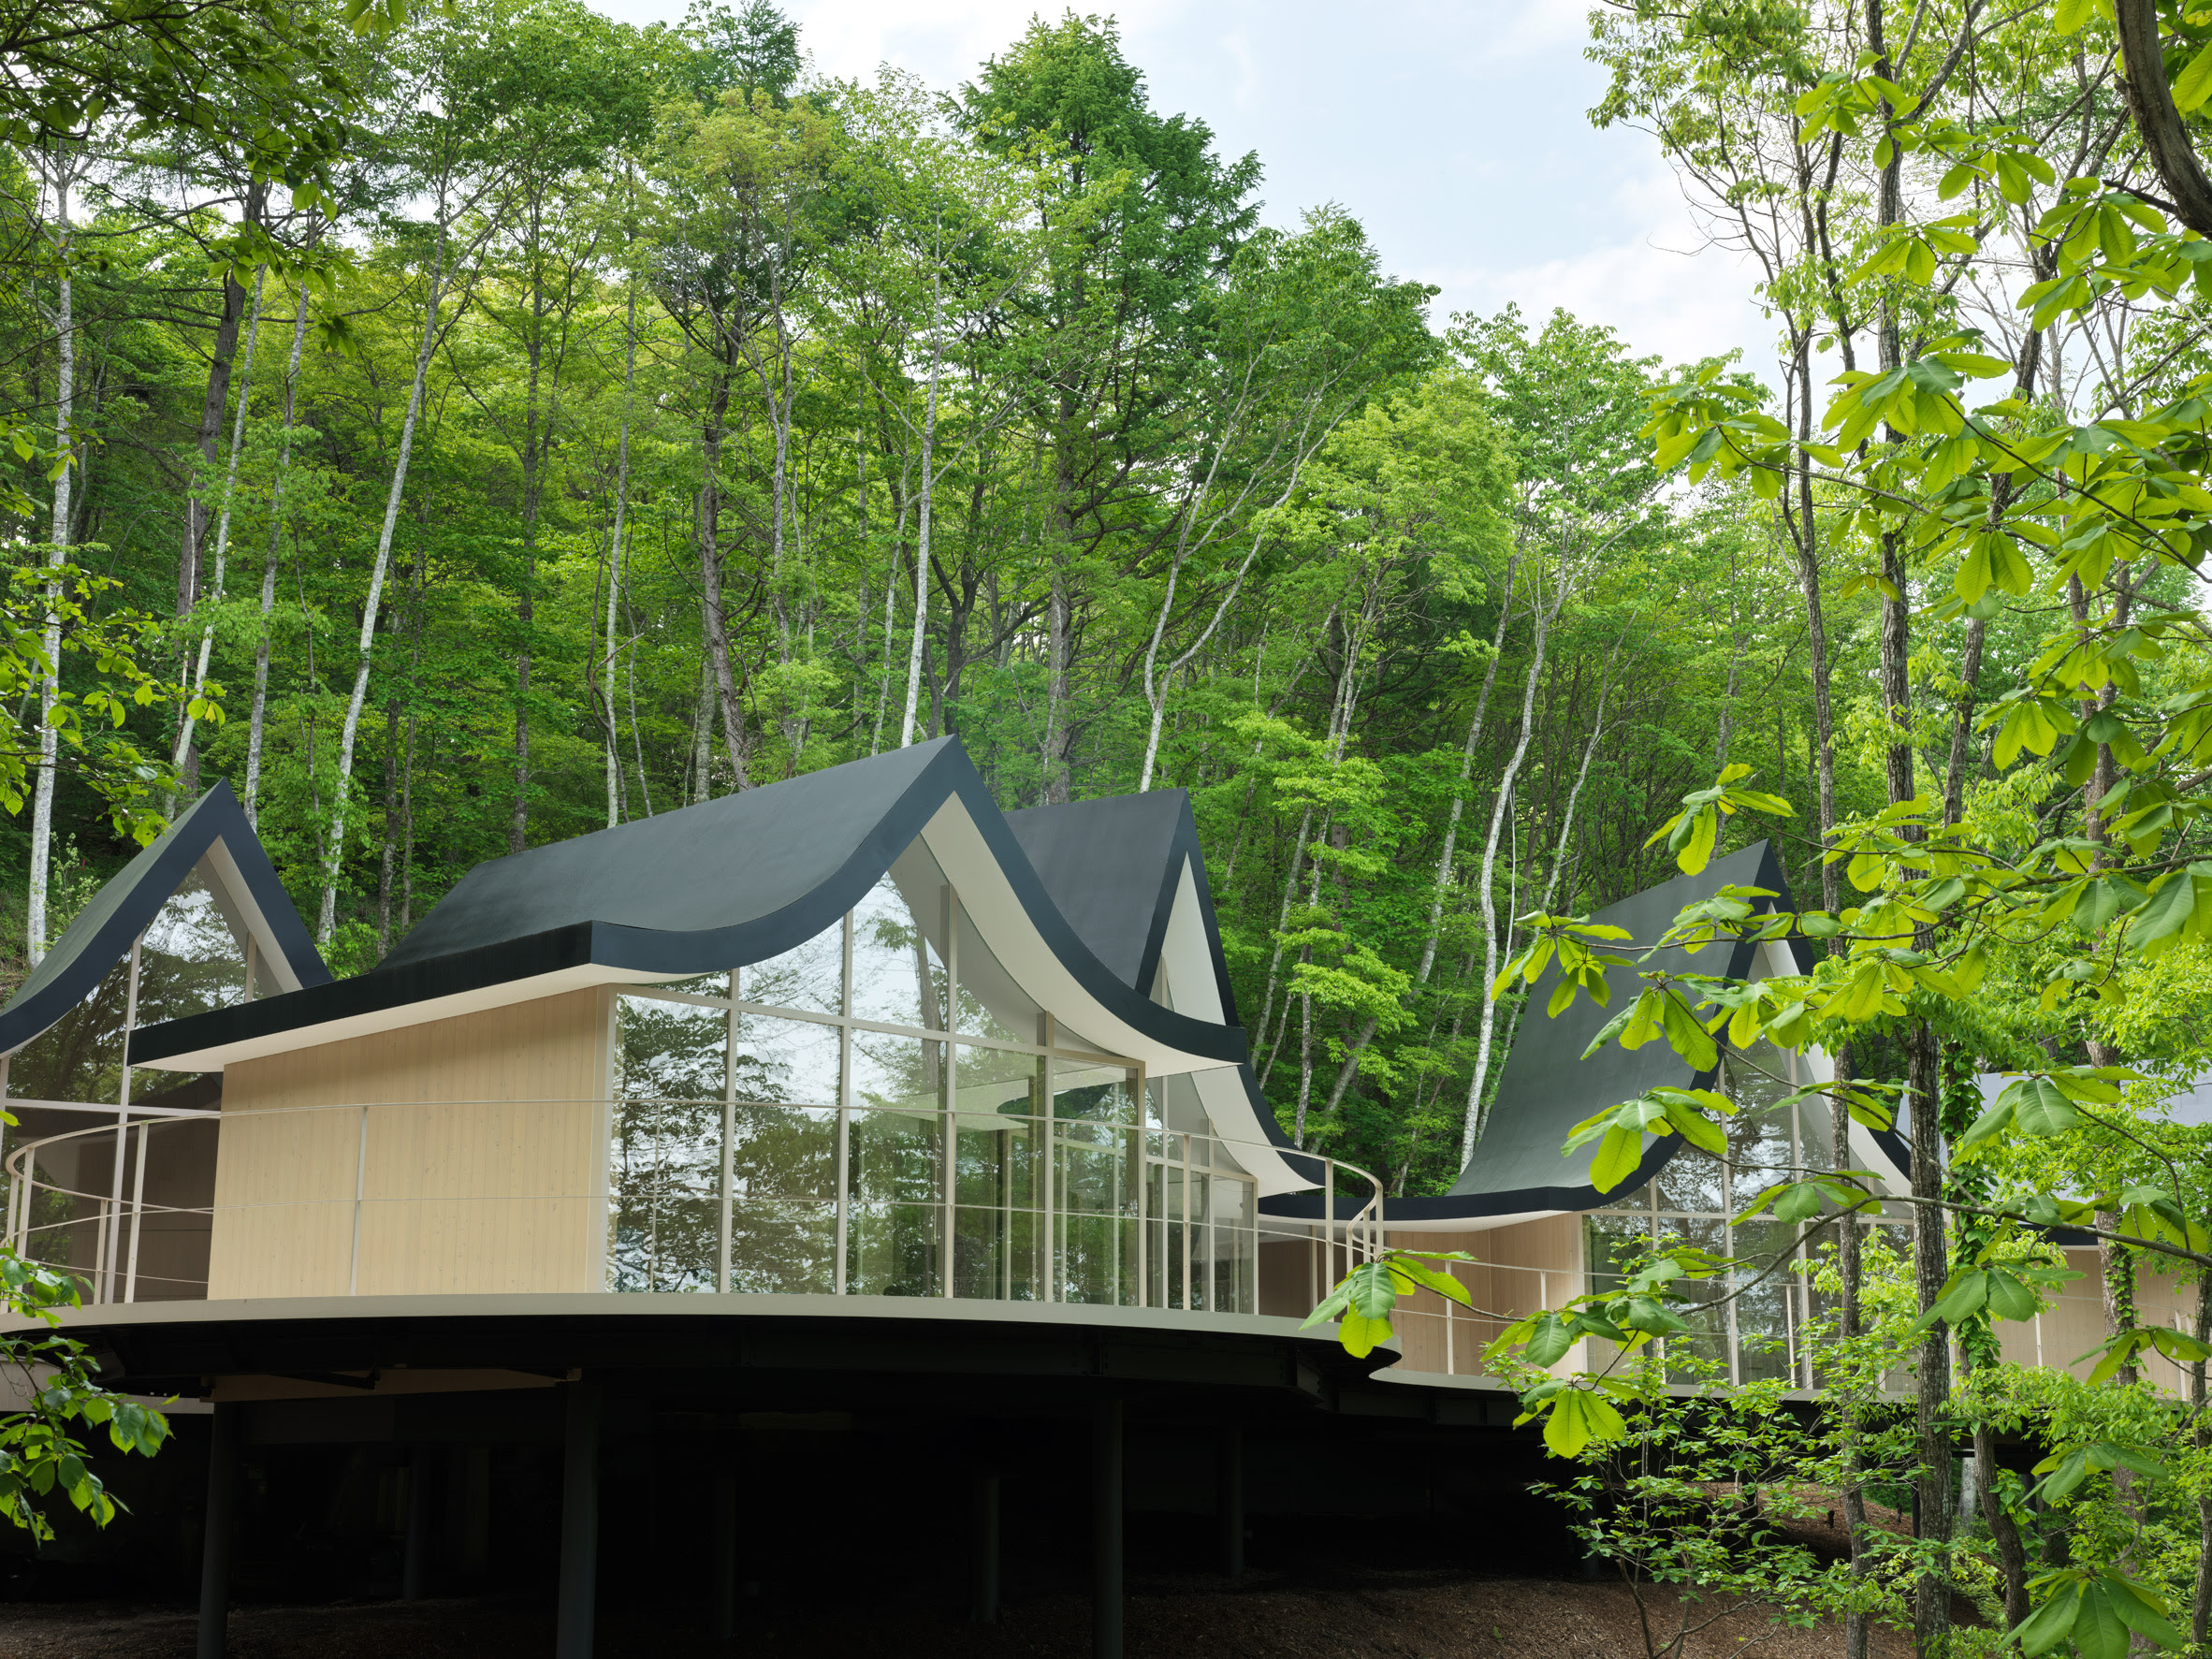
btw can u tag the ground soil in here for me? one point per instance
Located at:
(1400, 1616)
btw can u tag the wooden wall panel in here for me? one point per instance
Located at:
(483, 1166)
(2073, 1323)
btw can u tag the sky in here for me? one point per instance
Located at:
(1456, 133)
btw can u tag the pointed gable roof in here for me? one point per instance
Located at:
(212, 829)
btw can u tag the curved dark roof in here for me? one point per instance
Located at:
(1113, 864)
(723, 883)
(101, 935)
(1548, 1086)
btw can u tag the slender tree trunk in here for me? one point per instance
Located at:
(334, 847)
(710, 581)
(221, 360)
(49, 639)
(614, 559)
(238, 439)
(1486, 1022)
(2199, 1607)
(923, 515)
(257, 721)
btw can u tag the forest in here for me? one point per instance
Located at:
(617, 418)
(467, 429)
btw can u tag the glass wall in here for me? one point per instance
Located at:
(1697, 1199)
(884, 1112)
(193, 957)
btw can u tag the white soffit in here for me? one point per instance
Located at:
(223, 872)
(1187, 955)
(966, 860)
(407, 1014)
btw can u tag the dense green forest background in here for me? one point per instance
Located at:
(630, 416)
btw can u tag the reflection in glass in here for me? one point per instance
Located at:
(893, 1249)
(1692, 1180)
(190, 959)
(992, 1005)
(810, 977)
(79, 1056)
(665, 1162)
(784, 1060)
(783, 1248)
(898, 931)
(1703, 1350)
(903, 1072)
(672, 1050)
(783, 1151)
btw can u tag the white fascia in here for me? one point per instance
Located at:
(237, 898)
(1186, 959)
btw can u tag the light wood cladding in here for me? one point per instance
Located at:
(2073, 1323)
(482, 1167)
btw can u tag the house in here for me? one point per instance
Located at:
(845, 1136)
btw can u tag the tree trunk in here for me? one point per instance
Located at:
(334, 848)
(710, 580)
(923, 518)
(1486, 1022)
(50, 641)
(269, 570)
(183, 756)
(614, 560)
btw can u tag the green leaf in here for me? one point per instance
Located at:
(2193, 85)
(1618, 1155)
(2042, 1110)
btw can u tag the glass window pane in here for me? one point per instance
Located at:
(1097, 1173)
(896, 1157)
(1691, 1180)
(990, 1081)
(1759, 1153)
(190, 960)
(1098, 1259)
(1703, 1351)
(994, 1155)
(1816, 1144)
(665, 1176)
(893, 1249)
(783, 1248)
(79, 1056)
(789, 1061)
(907, 1073)
(783, 1151)
(998, 1254)
(670, 1051)
(810, 977)
(1093, 1093)
(991, 1003)
(898, 971)
(1763, 1310)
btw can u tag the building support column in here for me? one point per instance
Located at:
(723, 1584)
(414, 1563)
(579, 1526)
(1106, 1523)
(1228, 1498)
(221, 1531)
(982, 1547)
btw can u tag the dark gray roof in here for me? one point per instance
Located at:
(1548, 1087)
(1112, 867)
(102, 932)
(720, 884)
(720, 865)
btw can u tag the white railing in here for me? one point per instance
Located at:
(670, 1195)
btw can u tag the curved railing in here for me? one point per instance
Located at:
(659, 1194)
